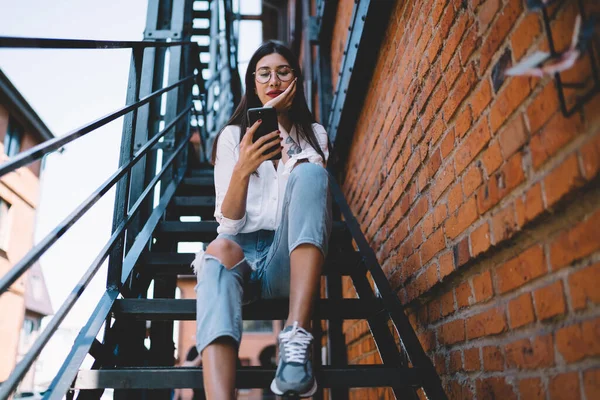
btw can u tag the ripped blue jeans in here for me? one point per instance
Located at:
(220, 292)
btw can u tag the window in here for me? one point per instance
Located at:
(4, 224)
(14, 135)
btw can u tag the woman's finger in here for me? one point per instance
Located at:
(270, 154)
(247, 139)
(271, 136)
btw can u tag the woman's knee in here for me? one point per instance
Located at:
(309, 171)
(227, 251)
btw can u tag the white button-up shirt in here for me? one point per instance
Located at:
(265, 191)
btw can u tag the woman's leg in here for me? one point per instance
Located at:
(219, 296)
(293, 268)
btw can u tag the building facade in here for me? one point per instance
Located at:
(478, 192)
(26, 302)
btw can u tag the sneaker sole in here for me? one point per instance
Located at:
(278, 392)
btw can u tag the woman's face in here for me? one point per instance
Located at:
(272, 76)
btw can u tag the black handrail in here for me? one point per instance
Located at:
(42, 149)
(23, 366)
(35, 253)
(48, 43)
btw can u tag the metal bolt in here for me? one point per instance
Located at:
(350, 69)
(364, 17)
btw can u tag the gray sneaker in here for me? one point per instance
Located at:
(294, 376)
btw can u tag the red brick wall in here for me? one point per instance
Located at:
(482, 203)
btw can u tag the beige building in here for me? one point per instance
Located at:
(26, 302)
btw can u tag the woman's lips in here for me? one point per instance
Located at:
(273, 94)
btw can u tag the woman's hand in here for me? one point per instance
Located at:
(251, 154)
(283, 102)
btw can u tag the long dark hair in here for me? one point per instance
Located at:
(299, 113)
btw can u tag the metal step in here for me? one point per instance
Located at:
(271, 309)
(201, 32)
(247, 377)
(206, 231)
(205, 171)
(201, 14)
(196, 186)
(179, 264)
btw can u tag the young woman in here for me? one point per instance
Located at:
(274, 226)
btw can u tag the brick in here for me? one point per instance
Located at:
(426, 339)
(525, 34)
(446, 264)
(453, 71)
(504, 224)
(512, 137)
(471, 42)
(516, 272)
(463, 295)
(530, 354)
(590, 157)
(542, 107)
(564, 387)
(418, 211)
(447, 144)
(482, 286)
(549, 301)
(487, 323)
(532, 389)
(455, 363)
(427, 225)
(466, 215)
(461, 252)
(494, 388)
(576, 243)
(472, 145)
(553, 137)
(463, 121)
(508, 100)
(493, 360)
(520, 311)
(440, 213)
(492, 158)
(472, 362)
(440, 364)
(501, 183)
(463, 86)
(472, 179)
(452, 332)
(455, 197)
(591, 383)
(480, 239)
(432, 246)
(452, 41)
(530, 205)
(434, 310)
(486, 13)
(442, 181)
(458, 391)
(503, 24)
(481, 98)
(562, 180)
(578, 341)
(447, 303)
(584, 286)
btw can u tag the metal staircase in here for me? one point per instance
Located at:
(203, 85)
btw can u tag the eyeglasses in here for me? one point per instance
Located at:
(284, 74)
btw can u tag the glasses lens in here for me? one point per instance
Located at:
(263, 75)
(285, 74)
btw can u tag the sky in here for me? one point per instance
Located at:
(69, 88)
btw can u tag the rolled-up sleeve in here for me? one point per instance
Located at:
(224, 163)
(309, 153)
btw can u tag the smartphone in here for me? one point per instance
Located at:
(268, 125)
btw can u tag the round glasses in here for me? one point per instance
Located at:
(284, 74)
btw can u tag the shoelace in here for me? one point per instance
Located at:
(295, 343)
